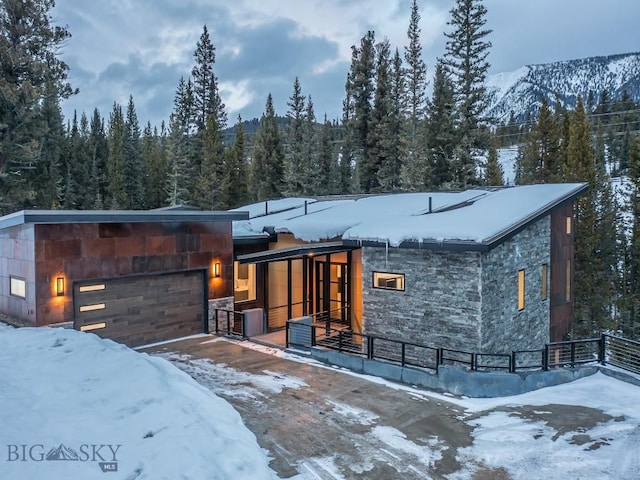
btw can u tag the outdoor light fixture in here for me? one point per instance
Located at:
(216, 270)
(60, 286)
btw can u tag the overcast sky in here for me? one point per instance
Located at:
(143, 47)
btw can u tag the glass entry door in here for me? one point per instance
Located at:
(332, 295)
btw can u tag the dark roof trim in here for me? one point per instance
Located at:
(117, 216)
(535, 216)
(295, 252)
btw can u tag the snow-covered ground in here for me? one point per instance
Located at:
(527, 436)
(92, 405)
(73, 406)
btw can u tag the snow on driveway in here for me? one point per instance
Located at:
(74, 406)
(588, 429)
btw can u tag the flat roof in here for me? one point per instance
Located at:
(475, 219)
(118, 216)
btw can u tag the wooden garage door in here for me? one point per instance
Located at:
(137, 310)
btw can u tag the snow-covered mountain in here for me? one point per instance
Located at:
(521, 91)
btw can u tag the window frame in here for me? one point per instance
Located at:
(521, 289)
(251, 286)
(376, 276)
(12, 292)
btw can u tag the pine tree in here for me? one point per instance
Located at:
(361, 90)
(296, 168)
(98, 151)
(30, 74)
(381, 161)
(309, 165)
(117, 197)
(326, 175)
(180, 146)
(155, 166)
(580, 167)
(466, 59)
(494, 174)
(234, 189)
(416, 174)
(49, 177)
(630, 324)
(267, 166)
(133, 167)
(206, 95)
(541, 161)
(206, 190)
(440, 136)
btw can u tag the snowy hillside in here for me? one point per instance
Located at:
(76, 406)
(521, 91)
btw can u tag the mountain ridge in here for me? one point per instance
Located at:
(521, 91)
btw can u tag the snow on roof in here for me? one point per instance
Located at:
(476, 215)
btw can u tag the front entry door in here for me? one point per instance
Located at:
(332, 295)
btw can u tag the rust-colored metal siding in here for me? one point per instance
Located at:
(105, 250)
(562, 250)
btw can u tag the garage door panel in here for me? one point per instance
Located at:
(143, 309)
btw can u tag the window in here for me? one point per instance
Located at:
(569, 224)
(91, 308)
(17, 287)
(388, 281)
(520, 289)
(567, 286)
(244, 282)
(545, 275)
(91, 288)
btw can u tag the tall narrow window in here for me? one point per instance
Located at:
(569, 225)
(520, 289)
(244, 284)
(544, 273)
(567, 287)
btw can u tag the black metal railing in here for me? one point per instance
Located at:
(228, 322)
(606, 349)
(621, 352)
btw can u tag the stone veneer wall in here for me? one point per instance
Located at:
(461, 300)
(225, 303)
(17, 259)
(441, 304)
(504, 328)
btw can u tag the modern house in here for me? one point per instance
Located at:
(134, 276)
(484, 270)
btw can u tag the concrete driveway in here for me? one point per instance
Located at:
(323, 423)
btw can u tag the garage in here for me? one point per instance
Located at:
(141, 309)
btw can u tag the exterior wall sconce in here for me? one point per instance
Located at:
(60, 286)
(216, 270)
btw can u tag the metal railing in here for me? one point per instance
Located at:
(228, 322)
(606, 349)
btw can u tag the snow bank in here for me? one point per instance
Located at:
(93, 405)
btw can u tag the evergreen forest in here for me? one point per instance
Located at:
(391, 137)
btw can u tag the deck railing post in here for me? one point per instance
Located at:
(601, 348)
(474, 360)
(573, 354)
(512, 362)
(216, 317)
(228, 323)
(340, 341)
(404, 349)
(545, 357)
(370, 348)
(286, 335)
(313, 335)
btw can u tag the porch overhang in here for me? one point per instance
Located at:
(298, 251)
